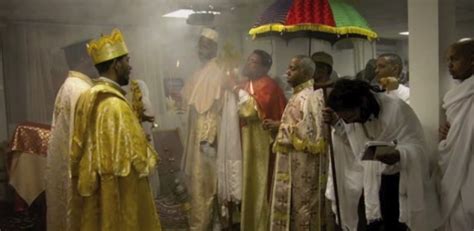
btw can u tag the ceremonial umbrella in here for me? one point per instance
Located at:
(329, 20)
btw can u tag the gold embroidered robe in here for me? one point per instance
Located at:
(110, 163)
(58, 180)
(204, 96)
(299, 181)
(261, 99)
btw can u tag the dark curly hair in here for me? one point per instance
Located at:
(265, 58)
(351, 94)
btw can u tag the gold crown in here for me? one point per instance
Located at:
(107, 47)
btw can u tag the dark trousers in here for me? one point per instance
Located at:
(389, 207)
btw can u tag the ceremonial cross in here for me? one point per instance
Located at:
(306, 177)
(305, 201)
(296, 163)
(305, 225)
(280, 223)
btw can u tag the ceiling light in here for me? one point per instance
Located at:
(181, 13)
(184, 13)
(465, 39)
(404, 33)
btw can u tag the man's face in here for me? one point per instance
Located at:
(207, 49)
(294, 73)
(350, 115)
(321, 72)
(384, 68)
(460, 65)
(359, 114)
(123, 69)
(253, 67)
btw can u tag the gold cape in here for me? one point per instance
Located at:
(110, 162)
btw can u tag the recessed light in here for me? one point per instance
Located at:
(184, 13)
(465, 39)
(404, 33)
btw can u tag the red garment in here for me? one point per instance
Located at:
(270, 98)
(271, 102)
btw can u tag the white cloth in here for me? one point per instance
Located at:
(229, 153)
(396, 121)
(456, 158)
(58, 180)
(204, 87)
(402, 92)
(27, 175)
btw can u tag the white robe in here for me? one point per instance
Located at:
(229, 153)
(401, 92)
(58, 180)
(396, 121)
(456, 158)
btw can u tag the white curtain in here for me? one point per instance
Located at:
(363, 51)
(35, 65)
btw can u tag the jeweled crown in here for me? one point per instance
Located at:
(107, 47)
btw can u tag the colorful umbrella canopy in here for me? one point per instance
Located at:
(329, 20)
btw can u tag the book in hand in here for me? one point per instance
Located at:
(370, 148)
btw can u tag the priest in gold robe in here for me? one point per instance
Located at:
(58, 181)
(260, 99)
(300, 147)
(111, 157)
(208, 141)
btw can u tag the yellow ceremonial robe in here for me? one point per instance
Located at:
(256, 149)
(203, 94)
(110, 163)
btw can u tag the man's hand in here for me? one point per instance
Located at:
(229, 83)
(443, 131)
(387, 155)
(271, 125)
(146, 118)
(329, 116)
(389, 83)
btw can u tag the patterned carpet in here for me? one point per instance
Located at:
(172, 215)
(32, 219)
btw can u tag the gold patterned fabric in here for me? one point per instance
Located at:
(298, 201)
(58, 174)
(31, 138)
(110, 161)
(200, 163)
(136, 102)
(203, 95)
(256, 150)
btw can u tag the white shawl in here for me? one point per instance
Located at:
(396, 121)
(457, 150)
(229, 153)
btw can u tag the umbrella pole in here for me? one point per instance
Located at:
(333, 167)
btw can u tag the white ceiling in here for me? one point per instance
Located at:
(388, 18)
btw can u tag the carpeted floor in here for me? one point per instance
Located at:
(32, 219)
(172, 216)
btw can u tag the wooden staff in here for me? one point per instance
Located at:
(333, 162)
